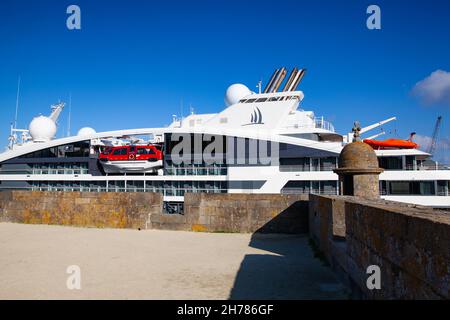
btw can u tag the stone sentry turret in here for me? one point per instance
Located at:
(358, 168)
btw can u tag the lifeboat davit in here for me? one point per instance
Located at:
(391, 144)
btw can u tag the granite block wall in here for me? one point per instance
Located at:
(266, 213)
(87, 209)
(409, 243)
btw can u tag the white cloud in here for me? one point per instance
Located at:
(434, 89)
(423, 141)
(442, 152)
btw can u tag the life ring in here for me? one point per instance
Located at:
(131, 157)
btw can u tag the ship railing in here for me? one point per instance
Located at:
(181, 191)
(318, 123)
(44, 171)
(303, 168)
(439, 194)
(60, 171)
(195, 171)
(294, 168)
(165, 191)
(432, 167)
(56, 188)
(436, 166)
(176, 192)
(308, 191)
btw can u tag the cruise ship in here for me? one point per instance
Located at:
(261, 142)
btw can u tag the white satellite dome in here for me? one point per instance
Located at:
(236, 92)
(86, 131)
(42, 129)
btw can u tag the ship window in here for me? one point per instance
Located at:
(250, 100)
(400, 187)
(327, 164)
(117, 152)
(294, 164)
(410, 162)
(145, 151)
(261, 100)
(296, 187)
(390, 163)
(383, 187)
(328, 187)
(426, 188)
(443, 187)
(412, 188)
(68, 148)
(132, 149)
(123, 151)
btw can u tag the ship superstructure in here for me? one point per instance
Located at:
(261, 142)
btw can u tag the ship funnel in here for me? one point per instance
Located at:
(290, 79)
(298, 77)
(278, 80)
(272, 79)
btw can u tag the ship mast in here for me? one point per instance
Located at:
(17, 103)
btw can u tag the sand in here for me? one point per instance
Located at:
(152, 264)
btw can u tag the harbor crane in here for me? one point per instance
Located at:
(434, 137)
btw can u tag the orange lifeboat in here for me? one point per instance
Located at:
(391, 144)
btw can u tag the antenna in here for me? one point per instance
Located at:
(17, 103)
(70, 111)
(259, 85)
(181, 111)
(181, 107)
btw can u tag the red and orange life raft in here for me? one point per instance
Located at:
(391, 144)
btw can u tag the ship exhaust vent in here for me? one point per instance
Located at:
(278, 80)
(298, 77)
(290, 79)
(272, 79)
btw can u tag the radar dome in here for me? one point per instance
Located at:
(86, 131)
(42, 129)
(236, 92)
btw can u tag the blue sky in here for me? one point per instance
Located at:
(133, 62)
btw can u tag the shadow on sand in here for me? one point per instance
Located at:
(285, 269)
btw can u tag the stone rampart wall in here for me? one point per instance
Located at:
(267, 213)
(409, 243)
(87, 209)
